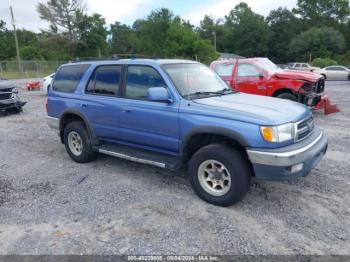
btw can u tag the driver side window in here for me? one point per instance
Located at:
(140, 79)
(246, 70)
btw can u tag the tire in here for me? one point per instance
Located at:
(237, 174)
(288, 96)
(82, 151)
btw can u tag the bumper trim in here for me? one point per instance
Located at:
(281, 158)
(53, 122)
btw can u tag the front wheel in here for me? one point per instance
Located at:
(288, 96)
(219, 174)
(77, 142)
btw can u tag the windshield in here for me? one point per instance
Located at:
(196, 80)
(269, 66)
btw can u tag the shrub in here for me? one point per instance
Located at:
(323, 62)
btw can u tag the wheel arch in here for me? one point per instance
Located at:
(284, 90)
(74, 115)
(204, 136)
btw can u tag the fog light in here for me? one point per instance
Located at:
(296, 168)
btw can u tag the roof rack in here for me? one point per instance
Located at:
(113, 57)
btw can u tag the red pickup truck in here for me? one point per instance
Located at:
(260, 76)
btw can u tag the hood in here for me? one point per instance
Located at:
(255, 109)
(298, 75)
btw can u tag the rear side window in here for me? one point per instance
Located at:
(105, 80)
(68, 77)
(224, 69)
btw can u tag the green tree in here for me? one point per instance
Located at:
(30, 52)
(208, 27)
(182, 42)
(63, 16)
(323, 12)
(247, 32)
(320, 42)
(163, 34)
(151, 33)
(284, 26)
(92, 36)
(7, 42)
(122, 39)
(54, 46)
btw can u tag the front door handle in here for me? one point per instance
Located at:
(84, 105)
(126, 110)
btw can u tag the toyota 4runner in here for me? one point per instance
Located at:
(175, 113)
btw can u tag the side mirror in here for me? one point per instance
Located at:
(159, 94)
(261, 75)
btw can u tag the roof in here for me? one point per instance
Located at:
(136, 61)
(232, 61)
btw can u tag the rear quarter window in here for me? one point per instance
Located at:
(68, 77)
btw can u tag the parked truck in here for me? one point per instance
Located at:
(260, 76)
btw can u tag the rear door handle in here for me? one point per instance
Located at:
(84, 105)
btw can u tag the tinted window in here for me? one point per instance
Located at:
(224, 69)
(140, 79)
(105, 80)
(247, 70)
(335, 68)
(68, 77)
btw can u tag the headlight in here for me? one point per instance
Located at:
(279, 133)
(15, 90)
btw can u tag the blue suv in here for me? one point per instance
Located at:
(176, 113)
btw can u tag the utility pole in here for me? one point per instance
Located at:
(16, 40)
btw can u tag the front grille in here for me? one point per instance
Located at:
(319, 88)
(5, 95)
(304, 128)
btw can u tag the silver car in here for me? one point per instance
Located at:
(335, 72)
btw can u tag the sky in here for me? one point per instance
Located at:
(127, 11)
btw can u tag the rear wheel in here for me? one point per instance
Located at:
(77, 142)
(219, 174)
(288, 96)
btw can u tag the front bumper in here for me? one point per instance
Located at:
(291, 161)
(11, 105)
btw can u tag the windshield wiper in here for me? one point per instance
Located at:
(204, 93)
(224, 91)
(227, 91)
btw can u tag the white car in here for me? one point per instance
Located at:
(335, 72)
(302, 66)
(47, 81)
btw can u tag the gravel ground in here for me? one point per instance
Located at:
(52, 205)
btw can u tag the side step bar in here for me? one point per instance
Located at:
(132, 158)
(139, 155)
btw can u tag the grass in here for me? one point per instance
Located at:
(25, 74)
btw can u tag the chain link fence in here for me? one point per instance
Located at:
(28, 69)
